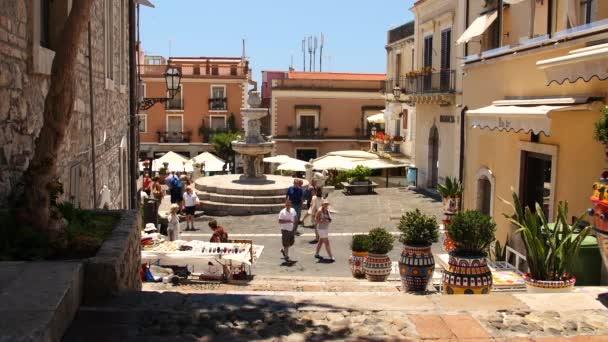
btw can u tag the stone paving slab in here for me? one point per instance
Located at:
(560, 301)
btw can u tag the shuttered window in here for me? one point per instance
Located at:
(428, 51)
(446, 49)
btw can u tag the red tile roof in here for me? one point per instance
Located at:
(335, 76)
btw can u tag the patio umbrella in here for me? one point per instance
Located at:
(329, 162)
(354, 154)
(212, 162)
(176, 163)
(280, 159)
(376, 118)
(294, 165)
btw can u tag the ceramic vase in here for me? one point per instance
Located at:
(356, 261)
(416, 267)
(377, 267)
(548, 286)
(467, 275)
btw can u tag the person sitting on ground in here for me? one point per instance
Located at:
(173, 230)
(220, 235)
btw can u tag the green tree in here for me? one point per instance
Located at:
(222, 143)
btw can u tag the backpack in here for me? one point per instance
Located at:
(176, 183)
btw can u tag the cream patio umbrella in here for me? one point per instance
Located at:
(212, 162)
(376, 118)
(280, 159)
(330, 162)
(294, 165)
(176, 163)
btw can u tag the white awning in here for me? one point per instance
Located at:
(376, 118)
(584, 64)
(515, 118)
(478, 27)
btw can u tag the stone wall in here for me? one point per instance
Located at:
(115, 268)
(24, 82)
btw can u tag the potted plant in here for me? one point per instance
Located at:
(600, 133)
(551, 249)
(467, 271)
(451, 192)
(387, 138)
(416, 266)
(359, 248)
(397, 139)
(359, 175)
(378, 265)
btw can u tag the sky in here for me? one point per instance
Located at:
(354, 30)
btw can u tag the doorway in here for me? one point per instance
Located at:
(536, 181)
(306, 154)
(433, 157)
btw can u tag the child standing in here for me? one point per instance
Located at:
(173, 230)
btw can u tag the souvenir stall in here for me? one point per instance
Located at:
(210, 261)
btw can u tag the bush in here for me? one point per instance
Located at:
(359, 174)
(380, 241)
(601, 128)
(418, 229)
(359, 243)
(450, 188)
(472, 232)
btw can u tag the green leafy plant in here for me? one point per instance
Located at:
(551, 252)
(359, 243)
(418, 229)
(472, 233)
(497, 252)
(341, 176)
(359, 174)
(450, 188)
(380, 241)
(600, 132)
(222, 143)
(231, 123)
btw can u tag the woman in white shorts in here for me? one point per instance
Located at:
(323, 219)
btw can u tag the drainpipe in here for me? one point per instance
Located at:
(91, 108)
(462, 132)
(133, 126)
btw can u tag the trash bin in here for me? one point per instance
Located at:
(150, 215)
(588, 265)
(412, 176)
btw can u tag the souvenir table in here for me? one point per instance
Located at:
(231, 256)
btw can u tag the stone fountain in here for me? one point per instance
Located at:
(253, 146)
(252, 192)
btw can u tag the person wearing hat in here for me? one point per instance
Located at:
(190, 200)
(173, 229)
(323, 219)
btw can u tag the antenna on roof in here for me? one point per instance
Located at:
(244, 55)
(314, 54)
(321, 52)
(310, 53)
(304, 53)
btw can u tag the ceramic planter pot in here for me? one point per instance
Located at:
(547, 286)
(467, 275)
(416, 267)
(377, 267)
(356, 261)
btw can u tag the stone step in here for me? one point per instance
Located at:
(239, 209)
(239, 199)
(242, 191)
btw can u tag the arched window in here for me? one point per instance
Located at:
(484, 191)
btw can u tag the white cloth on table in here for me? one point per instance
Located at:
(289, 216)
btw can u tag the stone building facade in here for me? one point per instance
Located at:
(29, 33)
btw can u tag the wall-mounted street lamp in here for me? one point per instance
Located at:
(173, 78)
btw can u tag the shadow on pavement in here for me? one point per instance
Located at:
(172, 316)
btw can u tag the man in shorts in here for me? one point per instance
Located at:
(287, 217)
(295, 195)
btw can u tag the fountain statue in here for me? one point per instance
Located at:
(253, 146)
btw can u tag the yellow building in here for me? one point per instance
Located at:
(533, 86)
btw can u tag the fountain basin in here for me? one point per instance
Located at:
(256, 149)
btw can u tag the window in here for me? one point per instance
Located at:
(428, 51)
(175, 123)
(109, 39)
(233, 70)
(214, 70)
(536, 180)
(306, 154)
(217, 122)
(446, 57)
(397, 67)
(143, 123)
(485, 191)
(587, 12)
(218, 92)
(176, 103)
(196, 70)
(218, 97)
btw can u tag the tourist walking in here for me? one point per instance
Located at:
(315, 204)
(174, 229)
(157, 192)
(175, 189)
(146, 184)
(295, 196)
(220, 235)
(323, 219)
(287, 218)
(190, 201)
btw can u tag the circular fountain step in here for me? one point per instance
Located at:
(236, 209)
(238, 199)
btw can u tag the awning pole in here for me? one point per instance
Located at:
(387, 177)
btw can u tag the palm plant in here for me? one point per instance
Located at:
(450, 188)
(551, 252)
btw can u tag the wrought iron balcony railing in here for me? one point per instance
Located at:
(306, 132)
(443, 81)
(174, 137)
(218, 103)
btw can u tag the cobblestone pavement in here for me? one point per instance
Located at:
(352, 214)
(171, 316)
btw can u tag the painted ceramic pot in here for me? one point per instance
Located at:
(416, 267)
(467, 275)
(356, 261)
(548, 286)
(377, 267)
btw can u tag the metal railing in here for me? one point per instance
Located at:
(174, 137)
(443, 81)
(306, 132)
(219, 103)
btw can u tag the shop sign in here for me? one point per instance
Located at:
(447, 118)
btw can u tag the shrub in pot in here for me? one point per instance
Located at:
(378, 266)
(550, 249)
(359, 247)
(451, 192)
(359, 174)
(416, 265)
(600, 133)
(468, 272)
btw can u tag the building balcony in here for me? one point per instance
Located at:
(220, 103)
(174, 137)
(306, 132)
(442, 82)
(175, 104)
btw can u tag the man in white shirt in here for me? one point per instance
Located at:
(190, 200)
(287, 217)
